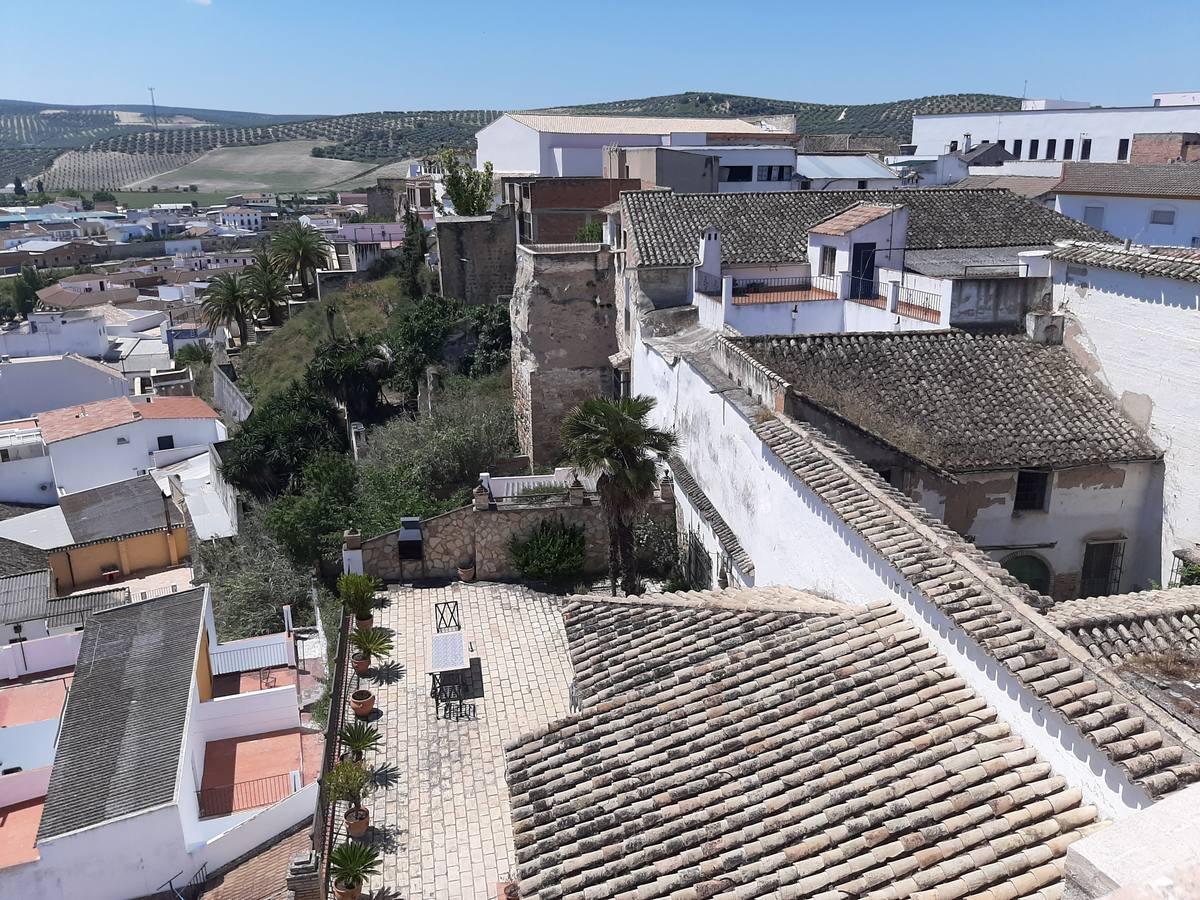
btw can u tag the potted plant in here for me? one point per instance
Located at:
(349, 781)
(466, 569)
(362, 702)
(358, 594)
(367, 643)
(358, 738)
(351, 865)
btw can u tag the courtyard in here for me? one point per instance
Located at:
(440, 810)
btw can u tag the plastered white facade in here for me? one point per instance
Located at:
(36, 384)
(52, 334)
(1141, 336)
(1130, 217)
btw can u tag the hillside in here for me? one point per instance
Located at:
(892, 119)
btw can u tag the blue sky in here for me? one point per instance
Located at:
(316, 56)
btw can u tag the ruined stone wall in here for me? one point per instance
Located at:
(477, 256)
(484, 535)
(563, 322)
(383, 202)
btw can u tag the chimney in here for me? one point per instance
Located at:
(966, 142)
(1044, 328)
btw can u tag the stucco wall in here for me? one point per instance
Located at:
(1141, 337)
(228, 398)
(82, 566)
(1129, 217)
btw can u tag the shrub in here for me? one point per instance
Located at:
(552, 551)
(656, 544)
(358, 593)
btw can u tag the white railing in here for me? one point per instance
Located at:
(509, 487)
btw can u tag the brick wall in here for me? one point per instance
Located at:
(477, 256)
(1151, 149)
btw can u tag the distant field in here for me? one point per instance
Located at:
(148, 198)
(284, 166)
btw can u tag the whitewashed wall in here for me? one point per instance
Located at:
(1142, 336)
(42, 655)
(1129, 217)
(21, 481)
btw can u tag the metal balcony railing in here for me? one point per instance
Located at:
(231, 798)
(922, 305)
(785, 289)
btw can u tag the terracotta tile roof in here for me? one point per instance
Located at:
(1029, 186)
(1178, 263)
(958, 401)
(55, 297)
(1119, 627)
(628, 644)
(696, 496)
(86, 418)
(991, 607)
(1180, 179)
(856, 216)
(664, 227)
(837, 756)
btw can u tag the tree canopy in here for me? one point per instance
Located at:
(470, 192)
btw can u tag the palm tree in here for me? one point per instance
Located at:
(353, 371)
(267, 282)
(301, 250)
(228, 300)
(613, 440)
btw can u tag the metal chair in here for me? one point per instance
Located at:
(446, 616)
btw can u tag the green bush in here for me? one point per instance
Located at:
(552, 551)
(657, 547)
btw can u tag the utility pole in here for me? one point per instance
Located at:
(153, 109)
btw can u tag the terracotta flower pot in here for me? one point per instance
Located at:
(346, 893)
(466, 573)
(357, 822)
(363, 703)
(361, 662)
(364, 624)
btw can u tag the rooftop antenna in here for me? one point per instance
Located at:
(153, 109)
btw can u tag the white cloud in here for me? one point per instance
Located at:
(201, 2)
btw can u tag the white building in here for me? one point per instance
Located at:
(51, 333)
(1054, 130)
(752, 167)
(1133, 316)
(34, 384)
(545, 144)
(1147, 204)
(79, 447)
(242, 217)
(131, 786)
(843, 172)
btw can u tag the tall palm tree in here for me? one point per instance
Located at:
(302, 250)
(353, 371)
(613, 440)
(228, 299)
(267, 283)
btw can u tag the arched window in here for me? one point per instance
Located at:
(1031, 570)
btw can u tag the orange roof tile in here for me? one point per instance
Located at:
(176, 408)
(73, 421)
(854, 217)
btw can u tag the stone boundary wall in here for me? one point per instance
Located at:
(484, 535)
(227, 397)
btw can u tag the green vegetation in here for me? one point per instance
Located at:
(614, 440)
(359, 737)
(591, 233)
(357, 593)
(18, 296)
(226, 301)
(347, 782)
(372, 642)
(353, 863)
(553, 551)
(470, 192)
(136, 199)
(308, 520)
(300, 250)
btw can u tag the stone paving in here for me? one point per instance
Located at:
(444, 825)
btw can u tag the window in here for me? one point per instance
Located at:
(953, 146)
(785, 173)
(1051, 147)
(166, 442)
(774, 173)
(1085, 148)
(1016, 150)
(737, 173)
(862, 184)
(1094, 216)
(5, 454)
(828, 260)
(1033, 148)
(805, 184)
(1101, 568)
(1123, 149)
(1030, 570)
(122, 440)
(1033, 487)
(1162, 217)
(1068, 148)
(1077, 275)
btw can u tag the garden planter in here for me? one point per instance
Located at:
(363, 703)
(364, 624)
(346, 893)
(466, 573)
(361, 663)
(357, 822)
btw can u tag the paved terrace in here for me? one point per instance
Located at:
(444, 825)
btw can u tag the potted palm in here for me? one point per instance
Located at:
(362, 702)
(349, 781)
(358, 738)
(358, 594)
(351, 865)
(367, 643)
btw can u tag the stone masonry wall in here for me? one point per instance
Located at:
(477, 256)
(485, 536)
(563, 321)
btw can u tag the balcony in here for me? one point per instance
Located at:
(922, 305)
(795, 289)
(253, 771)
